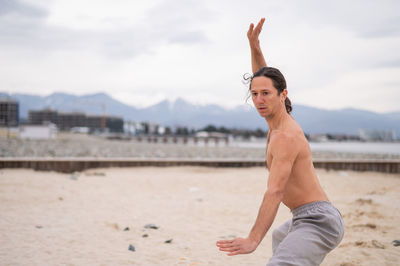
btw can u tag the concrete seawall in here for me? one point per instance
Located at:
(69, 165)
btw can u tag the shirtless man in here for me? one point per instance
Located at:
(317, 226)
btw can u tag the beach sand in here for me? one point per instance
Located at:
(50, 218)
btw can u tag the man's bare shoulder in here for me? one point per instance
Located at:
(284, 143)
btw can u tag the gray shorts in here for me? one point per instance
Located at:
(315, 229)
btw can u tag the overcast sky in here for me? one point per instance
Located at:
(334, 54)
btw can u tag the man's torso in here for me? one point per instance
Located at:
(303, 185)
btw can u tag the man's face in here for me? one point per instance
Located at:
(265, 96)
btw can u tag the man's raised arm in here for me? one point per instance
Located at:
(257, 57)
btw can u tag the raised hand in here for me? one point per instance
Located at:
(253, 33)
(257, 57)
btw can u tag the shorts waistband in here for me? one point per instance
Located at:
(310, 206)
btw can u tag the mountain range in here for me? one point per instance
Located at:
(183, 113)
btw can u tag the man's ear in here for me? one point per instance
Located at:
(284, 95)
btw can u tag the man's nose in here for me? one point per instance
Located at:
(259, 98)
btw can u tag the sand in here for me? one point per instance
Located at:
(50, 218)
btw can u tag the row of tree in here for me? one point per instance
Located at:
(244, 133)
(185, 131)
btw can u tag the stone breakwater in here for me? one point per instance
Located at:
(70, 145)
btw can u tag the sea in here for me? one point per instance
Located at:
(332, 146)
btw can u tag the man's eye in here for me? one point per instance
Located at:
(265, 93)
(254, 94)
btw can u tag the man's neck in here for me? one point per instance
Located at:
(277, 120)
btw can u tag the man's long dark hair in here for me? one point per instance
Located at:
(277, 79)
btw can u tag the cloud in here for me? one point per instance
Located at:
(24, 26)
(394, 63)
(21, 8)
(365, 18)
(372, 89)
(190, 37)
(197, 49)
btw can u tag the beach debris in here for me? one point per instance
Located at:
(113, 225)
(74, 176)
(60, 198)
(377, 244)
(199, 199)
(396, 243)
(116, 226)
(126, 229)
(151, 226)
(39, 226)
(145, 235)
(168, 241)
(131, 247)
(347, 264)
(95, 174)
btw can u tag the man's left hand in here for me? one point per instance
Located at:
(237, 246)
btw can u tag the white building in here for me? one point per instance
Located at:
(133, 127)
(380, 135)
(136, 128)
(80, 130)
(48, 131)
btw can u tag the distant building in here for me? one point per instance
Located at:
(111, 123)
(133, 128)
(115, 124)
(9, 132)
(80, 130)
(152, 128)
(215, 136)
(67, 121)
(9, 113)
(94, 122)
(318, 137)
(46, 131)
(43, 116)
(206, 134)
(377, 135)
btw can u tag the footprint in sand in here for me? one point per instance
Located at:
(367, 225)
(370, 244)
(347, 264)
(361, 201)
(358, 214)
(381, 191)
(374, 214)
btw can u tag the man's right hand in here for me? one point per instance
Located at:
(253, 33)
(257, 57)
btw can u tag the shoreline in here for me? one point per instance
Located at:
(72, 145)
